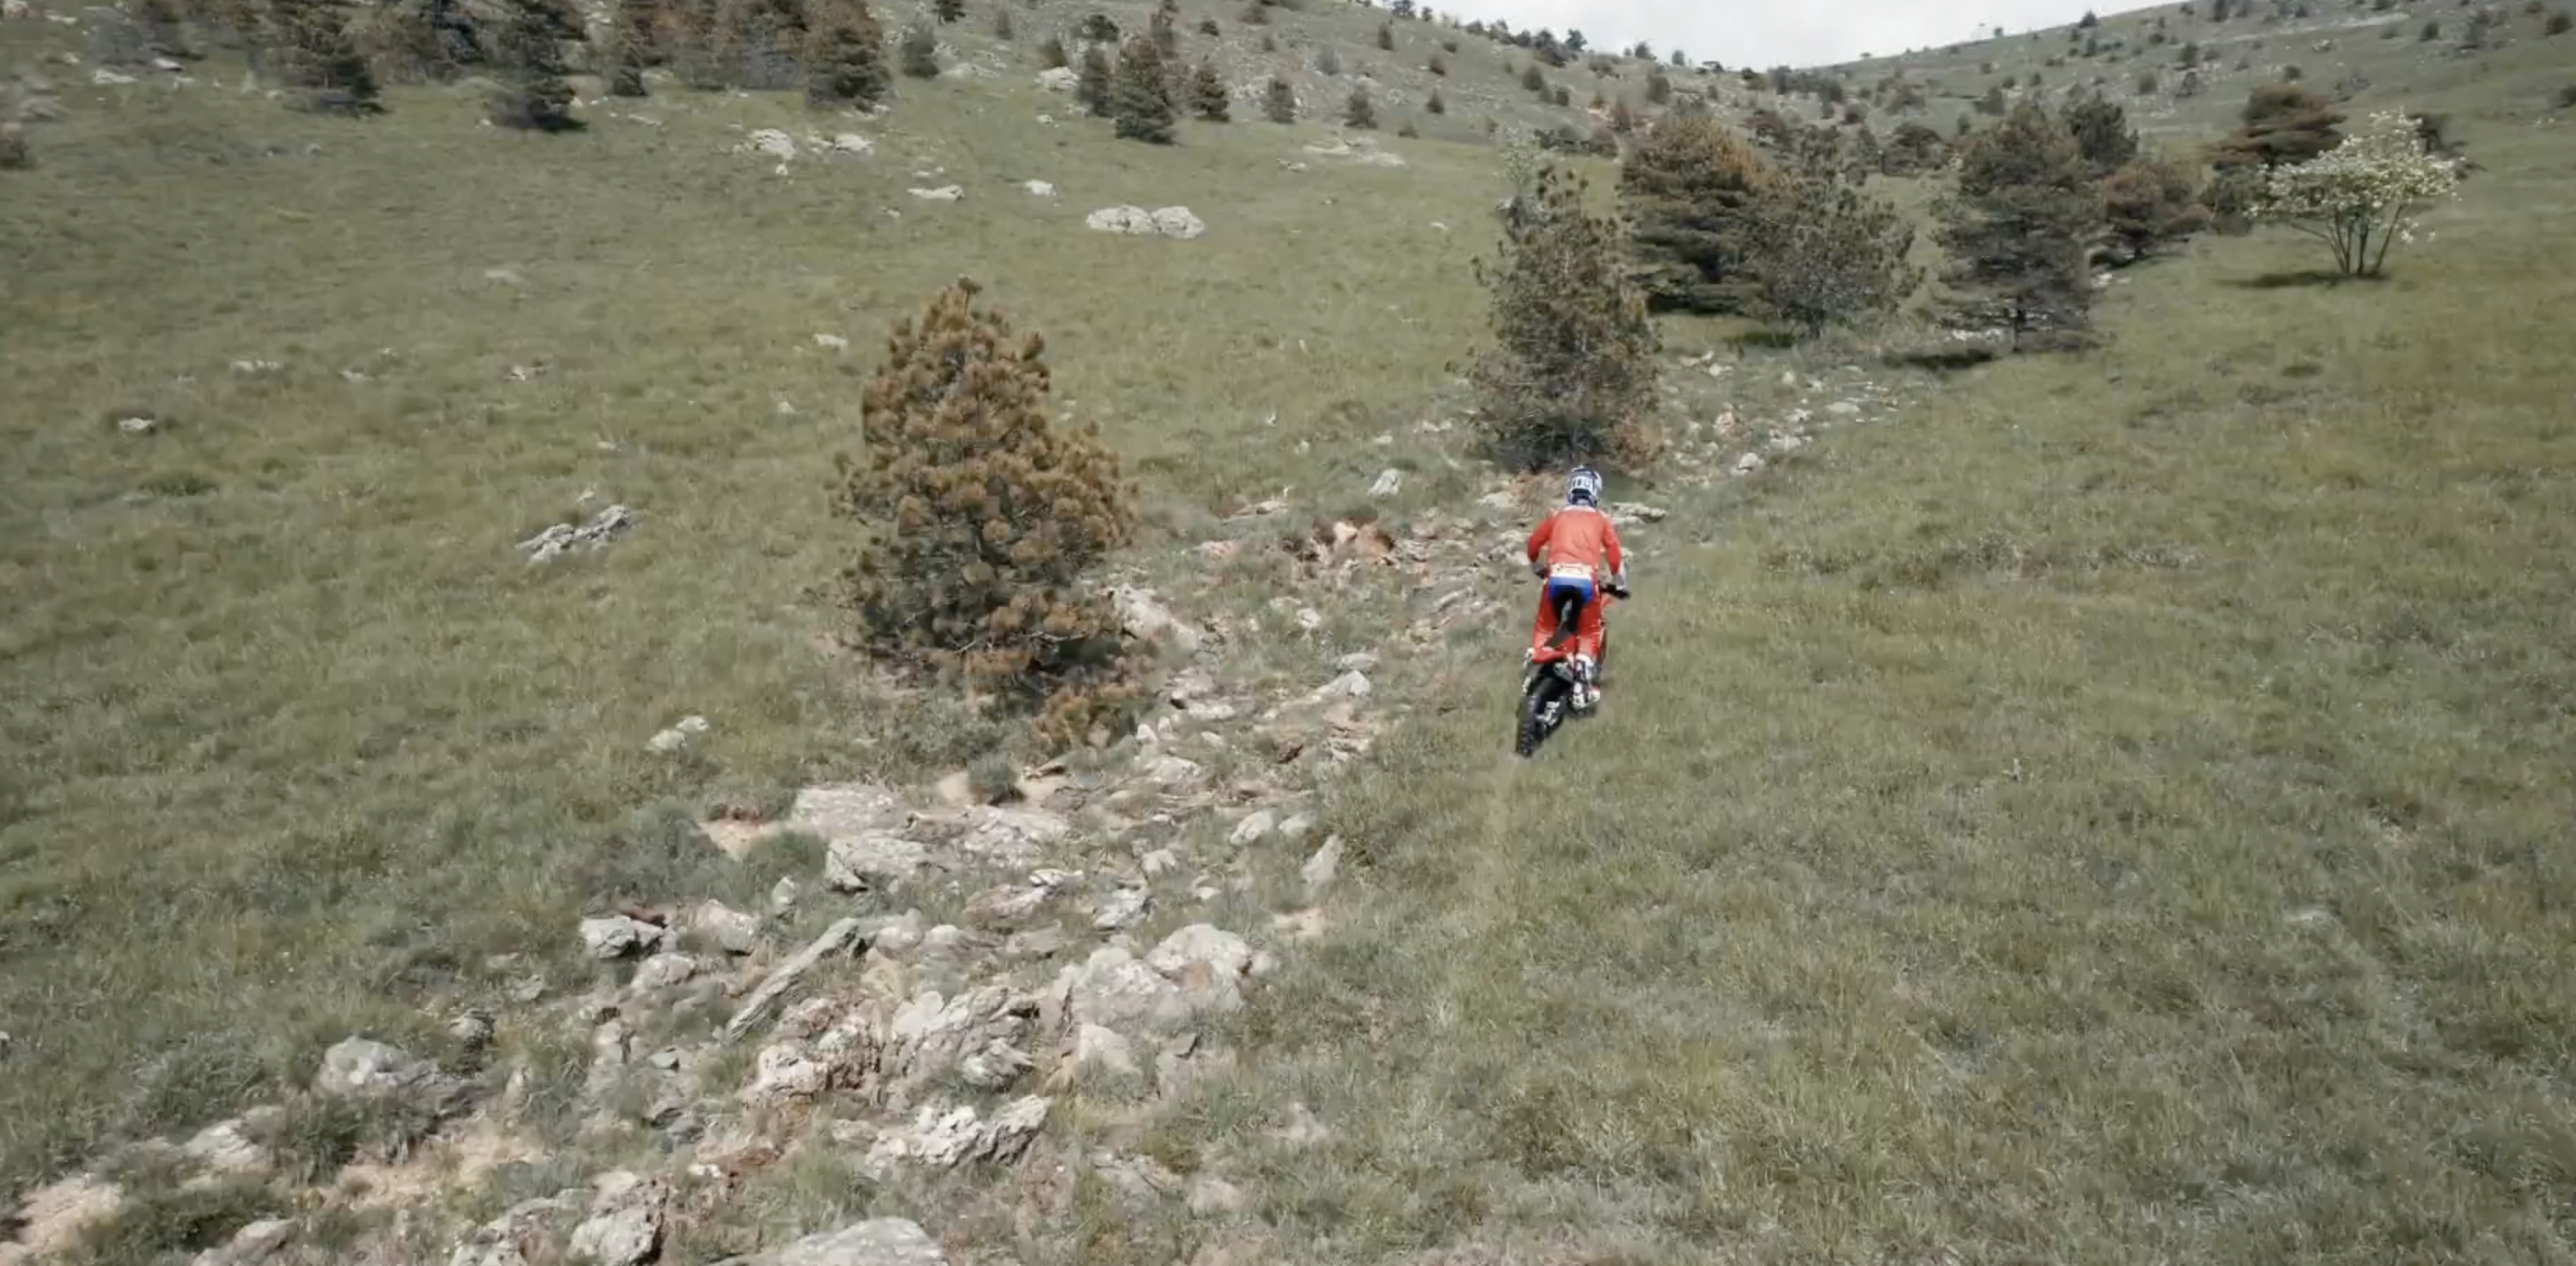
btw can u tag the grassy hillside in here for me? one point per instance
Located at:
(2113, 811)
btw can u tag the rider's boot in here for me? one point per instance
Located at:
(1587, 688)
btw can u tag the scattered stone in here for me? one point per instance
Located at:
(1254, 826)
(1144, 616)
(1059, 79)
(562, 538)
(1039, 189)
(783, 894)
(625, 1223)
(105, 78)
(473, 1028)
(850, 145)
(875, 1242)
(255, 1243)
(613, 936)
(53, 1218)
(1103, 1054)
(522, 1233)
(1207, 963)
(1214, 1197)
(771, 142)
(678, 735)
(872, 862)
(1389, 482)
(836, 939)
(1358, 662)
(1319, 869)
(664, 971)
(1748, 463)
(1842, 408)
(1161, 861)
(957, 1136)
(735, 931)
(225, 1149)
(1624, 513)
(1122, 908)
(944, 193)
(1175, 772)
(843, 811)
(1113, 990)
(1175, 222)
(976, 1035)
(138, 424)
(1350, 685)
(255, 368)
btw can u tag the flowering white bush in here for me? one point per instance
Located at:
(2361, 196)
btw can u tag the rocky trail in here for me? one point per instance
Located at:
(977, 1008)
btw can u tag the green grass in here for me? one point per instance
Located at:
(2116, 814)
(2104, 814)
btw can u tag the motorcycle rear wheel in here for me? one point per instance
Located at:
(1542, 708)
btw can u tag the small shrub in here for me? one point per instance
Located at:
(1002, 27)
(2432, 31)
(1434, 104)
(2559, 23)
(1532, 80)
(1279, 101)
(2567, 97)
(986, 522)
(921, 52)
(630, 47)
(1269, 43)
(1571, 372)
(1139, 100)
(1254, 14)
(532, 95)
(2102, 132)
(1358, 112)
(1208, 97)
(948, 10)
(1437, 65)
(1208, 27)
(2147, 83)
(1564, 97)
(1407, 130)
(2147, 203)
(844, 54)
(1386, 36)
(1098, 29)
(14, 154)
(1659, 90)
(1052, 53)
(1328, 62)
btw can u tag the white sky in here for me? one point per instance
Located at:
(1766, 33)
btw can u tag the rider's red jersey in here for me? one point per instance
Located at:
(1576, 538)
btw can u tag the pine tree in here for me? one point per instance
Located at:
(1279, 101)
(532, 95)
(1091, 91)
(844, 54)
(1357, 112)
(1386, 36)
(1822, 253)
(1052, 52)
(1167, 38)
(984, 523)
(1691, 190)
(1140, 98)
(1570, 376)
(921, 52)
(630, 46)
(1208, 97)
(2102, 133)
(948, 10)
(2018, 229)
(320, 58)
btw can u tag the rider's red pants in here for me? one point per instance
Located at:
(1587, 626)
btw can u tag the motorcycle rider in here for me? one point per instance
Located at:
(1578, 539)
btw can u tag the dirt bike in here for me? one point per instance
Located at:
(1548, 681)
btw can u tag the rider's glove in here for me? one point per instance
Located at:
(1539, 570)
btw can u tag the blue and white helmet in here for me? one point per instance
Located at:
(1583, 487)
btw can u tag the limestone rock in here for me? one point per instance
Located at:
(875, 1242)
(625, 1223)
